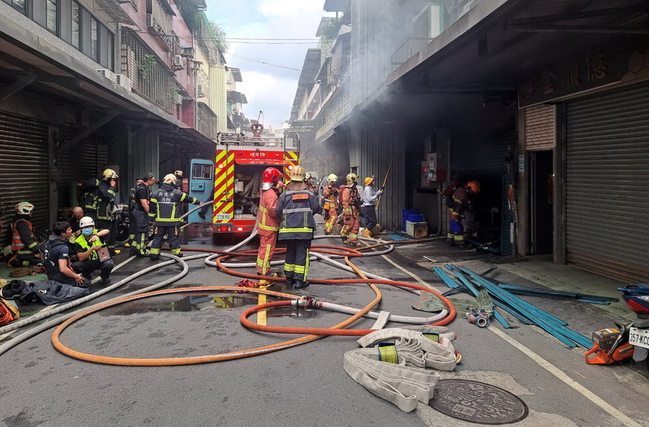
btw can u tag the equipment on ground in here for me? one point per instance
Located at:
(610, 345)
(24, 208)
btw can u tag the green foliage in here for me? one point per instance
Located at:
(189, 13)
(219, 37)
(146, 65)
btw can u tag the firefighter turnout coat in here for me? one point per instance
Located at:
(165, 204)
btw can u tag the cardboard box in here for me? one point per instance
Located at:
(417, 229)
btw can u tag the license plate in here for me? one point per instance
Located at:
(639, 337)
(223, 217)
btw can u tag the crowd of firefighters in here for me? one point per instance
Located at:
(286, 213)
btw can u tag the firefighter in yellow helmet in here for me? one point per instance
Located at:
(164, 211)
(330, 194)
(460, 201)
(295, 208)
(351, 201)
(107, 209)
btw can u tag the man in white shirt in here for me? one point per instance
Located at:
(370, 196)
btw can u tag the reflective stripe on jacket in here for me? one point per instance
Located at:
(164, 208)
(268, 220)
(17, 243)
(81, 240)
(296, 209)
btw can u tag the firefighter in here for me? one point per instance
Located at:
(351, 201)
(370, 195)
(89, 198)
(106, 208)
(23, 242)
(330, 193)
(139, 214)
(267, 220)
(164, 211)
(308, 180)
(295, 208)
(86, 246)
(460, 199)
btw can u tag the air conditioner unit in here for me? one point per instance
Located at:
(196, 65)
(108, 74)
(124, 81)
(187, 52)
(199, 91)
(150, 22)
(179, 99)
(178, 61)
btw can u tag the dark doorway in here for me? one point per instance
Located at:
(541, 197)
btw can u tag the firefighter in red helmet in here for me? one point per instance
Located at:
(267, 220)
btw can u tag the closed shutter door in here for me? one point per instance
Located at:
(607, 184)
(85, 160)
(23, 169)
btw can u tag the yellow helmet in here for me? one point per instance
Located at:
(169, 179)
(108, 175)
(473, 186)
(369, 180)
(332, 178)
(351, 178)
(297, 173)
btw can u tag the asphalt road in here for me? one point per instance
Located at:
(300, 386)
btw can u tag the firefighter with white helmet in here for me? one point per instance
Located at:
(308, 180)
(351, 201)
(370, 196)
(86, 246)
(295, 208)
(330, 193)
(106, 207)
(460, 201)
(164, 211)
(267, 219)
(23, 241)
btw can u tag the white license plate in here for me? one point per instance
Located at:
(223, 217)
(639, 337)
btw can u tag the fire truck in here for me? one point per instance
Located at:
(233, 179)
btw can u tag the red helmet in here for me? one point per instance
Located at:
(271, 175)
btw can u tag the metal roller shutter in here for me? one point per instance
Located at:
(607, 182)
(23, 169)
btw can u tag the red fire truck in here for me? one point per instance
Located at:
(239, 163)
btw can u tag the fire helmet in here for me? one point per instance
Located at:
(271, 176)
(307, 176)
(24, 208)
(109, 174)
(473, 186)
(169, 179)
(178, 173)
(297, 173)
(86, 221)
(332, 178)
(351, 178)
(368, 180)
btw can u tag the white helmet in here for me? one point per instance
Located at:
(332, 178)
(170, 179)
(297, 173)
(86, 221)
(24, 208)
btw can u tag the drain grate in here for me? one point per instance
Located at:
(477, 402)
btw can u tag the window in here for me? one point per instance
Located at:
(17, 4)
(76, 24)
(52, 16)
(94, 38)
(110, 46)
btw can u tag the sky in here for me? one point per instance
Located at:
(268, 88)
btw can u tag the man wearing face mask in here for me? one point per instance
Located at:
(86, 247)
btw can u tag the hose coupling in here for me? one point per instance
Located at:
(478, 317)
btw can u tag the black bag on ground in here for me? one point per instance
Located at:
(51, 292)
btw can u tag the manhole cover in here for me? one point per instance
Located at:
(477, 402)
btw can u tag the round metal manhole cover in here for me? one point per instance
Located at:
(477, 402)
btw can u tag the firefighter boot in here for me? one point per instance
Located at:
(300, 284)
